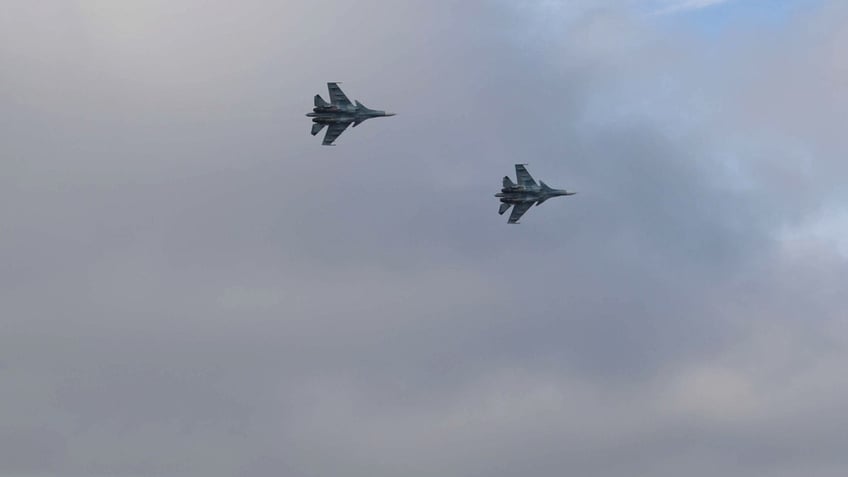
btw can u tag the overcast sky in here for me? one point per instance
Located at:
(191, 285)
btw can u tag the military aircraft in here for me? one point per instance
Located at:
(338, 114)
(524, 194)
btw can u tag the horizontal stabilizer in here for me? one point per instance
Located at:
(504, 208)
(317, 127)
(507, 183)
(320, 103)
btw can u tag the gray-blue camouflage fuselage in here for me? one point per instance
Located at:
(339, 113)
(523, 194)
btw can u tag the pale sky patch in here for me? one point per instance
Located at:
(676, 6)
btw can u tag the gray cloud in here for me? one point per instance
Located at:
(193, 286)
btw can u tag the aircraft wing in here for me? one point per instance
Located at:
(334, 130)
(337, 97)
(518, 210)
(524, 177)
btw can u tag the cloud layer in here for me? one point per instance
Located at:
(193, 286)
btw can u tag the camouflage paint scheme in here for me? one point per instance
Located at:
(523, 194)
(338, 114)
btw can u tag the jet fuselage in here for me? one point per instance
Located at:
(335, 114)
(522, 194)
(519, 194)
(338, 114)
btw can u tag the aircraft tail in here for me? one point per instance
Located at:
(504, 208)
(507, 183)
(317, 127)
(320, 103)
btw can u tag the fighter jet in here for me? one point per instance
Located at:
(524, 194)
(338, 114)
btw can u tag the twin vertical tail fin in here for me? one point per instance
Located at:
(507, 183)
(504, 208)
(320, 103)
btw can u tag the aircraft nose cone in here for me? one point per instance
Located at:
(390, 114)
